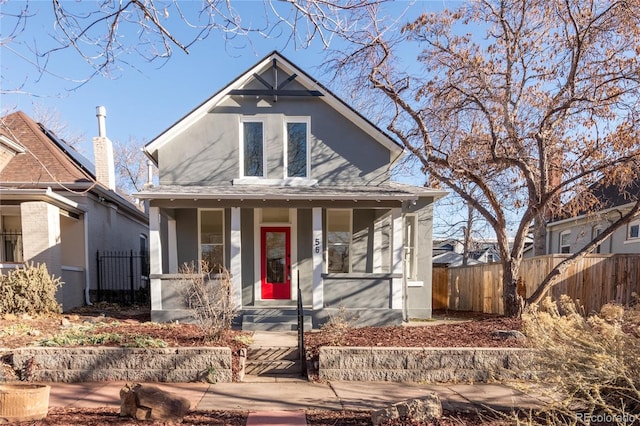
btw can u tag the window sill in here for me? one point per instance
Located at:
(632, 241)
(275, 182)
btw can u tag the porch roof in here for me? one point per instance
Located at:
(389, 191)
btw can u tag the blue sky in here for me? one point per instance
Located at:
(145, 98)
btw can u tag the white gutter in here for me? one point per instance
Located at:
(46, 195)
(591, 216)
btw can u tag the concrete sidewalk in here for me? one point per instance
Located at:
(297, 395)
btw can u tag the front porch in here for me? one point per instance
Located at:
(359, 258)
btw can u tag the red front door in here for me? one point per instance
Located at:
(275, 256)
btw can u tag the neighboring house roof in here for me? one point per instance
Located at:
(48, 162)
(44, 163)
(151, 149)
(387, 191)
(452, 259)
(608, 196)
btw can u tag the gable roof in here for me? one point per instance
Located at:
(45, 161)
(311, 84)
(608, 196)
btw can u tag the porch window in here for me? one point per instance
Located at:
(11, 239)
(212, 238)
(634, 231)
(410, 230)
(252, 152)
(339, 232)
(297, 148)
(565, 242)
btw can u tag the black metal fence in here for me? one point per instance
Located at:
(123, 277)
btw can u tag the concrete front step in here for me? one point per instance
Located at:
(273, 322)
(277, 367)
(273, 361)
(273, 354)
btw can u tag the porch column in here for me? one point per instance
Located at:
(155, 258)
(41, 235)
(318, 285)
(396, 258)
(235, 264)
(172, 245)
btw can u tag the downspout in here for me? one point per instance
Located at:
(87, 281)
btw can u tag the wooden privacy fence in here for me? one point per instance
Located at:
(593, 280)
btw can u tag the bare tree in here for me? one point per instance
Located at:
(132, 170)
(50, 118)
(531, 108)
(110, 34)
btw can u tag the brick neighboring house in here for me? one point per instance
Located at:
(282, 183)
(55, 208)
(569, 234)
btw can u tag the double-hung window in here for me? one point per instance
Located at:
(634, 231)
(297, 147)
(338, 240)
(252, 148)
(212, 239)
(565, 242)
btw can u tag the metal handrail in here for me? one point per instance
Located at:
(303, 358)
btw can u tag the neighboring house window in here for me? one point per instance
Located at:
(252, 150)
(11, 239)
(596, 233)
(565, 242)
(212, 238)
(338, 240)
(297, 148)
(634, 230)
(410, 230)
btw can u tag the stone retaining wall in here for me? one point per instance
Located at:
(425, 364)
(127, 364)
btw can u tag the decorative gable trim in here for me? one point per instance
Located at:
(313, 88)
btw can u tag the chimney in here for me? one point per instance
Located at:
(103, 152)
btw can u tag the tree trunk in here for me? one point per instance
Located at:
(513, 303)
(540, 237)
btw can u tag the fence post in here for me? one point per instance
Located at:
(131, 279)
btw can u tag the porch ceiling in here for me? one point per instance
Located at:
(388, 192)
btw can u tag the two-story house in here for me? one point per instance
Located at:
(284, 184)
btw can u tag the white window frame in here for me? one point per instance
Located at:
(560, 245)
(412, 263)
(597, 230)
(224, 259)
(296, 119)
(252, 119)
(633, 224)
(350, 246)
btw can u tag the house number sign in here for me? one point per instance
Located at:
(317, 246)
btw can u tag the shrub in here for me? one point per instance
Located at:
(590, 360)
(30, 290)
(208, 295)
